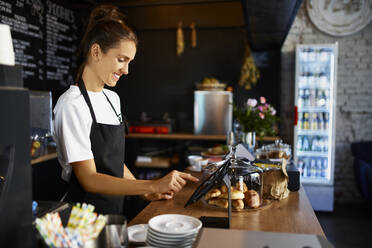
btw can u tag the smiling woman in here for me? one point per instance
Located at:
(89, 129)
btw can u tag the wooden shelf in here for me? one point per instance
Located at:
(179, 136)
(188, 136)
(156, 162)
(44, 158)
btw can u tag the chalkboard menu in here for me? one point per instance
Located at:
(45, 39)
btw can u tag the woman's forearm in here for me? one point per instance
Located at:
(106, 184)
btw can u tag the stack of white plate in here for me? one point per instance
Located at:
(172, 230)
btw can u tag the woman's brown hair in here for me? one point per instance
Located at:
(106, 28)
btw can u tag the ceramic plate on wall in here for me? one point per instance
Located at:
(340, 17)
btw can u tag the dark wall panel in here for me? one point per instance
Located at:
(159, 81)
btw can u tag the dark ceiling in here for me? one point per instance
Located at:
(267, 22)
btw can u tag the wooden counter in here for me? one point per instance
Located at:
(292, 215)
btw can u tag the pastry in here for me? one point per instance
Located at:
(224, 188)
(252, 199)
(219, 202)
(241, 186)
(238, 204)
(235, 195)
(212, 194)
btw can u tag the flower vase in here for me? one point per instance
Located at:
(249, 140)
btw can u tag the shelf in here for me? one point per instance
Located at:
(156, 162)
(178, 136)
(313, 132)
(312, 154)
(44, 158)
(312, 109)
(188, 136)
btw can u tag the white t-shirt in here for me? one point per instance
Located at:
(73, 121)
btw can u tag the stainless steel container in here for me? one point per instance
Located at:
(212, 112)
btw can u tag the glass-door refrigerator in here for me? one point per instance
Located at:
(314, 129)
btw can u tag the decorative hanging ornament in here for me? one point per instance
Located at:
(193, 35)
(249, 73)
(180, 41)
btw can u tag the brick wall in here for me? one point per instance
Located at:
(354, 94)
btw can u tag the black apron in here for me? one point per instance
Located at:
(108, 146)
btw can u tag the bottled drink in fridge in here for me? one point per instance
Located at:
(300, 122)
(320, 121)
(314, 144)
(325, 144)
(319, 167)
(326, 121)
(313, 121)
(306, 121)
(324, 173)
(312, 167)
(312, 98)
(305, 144)
(301, 167)
(300, 98)
(299, 143)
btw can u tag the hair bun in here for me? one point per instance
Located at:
(104, 12)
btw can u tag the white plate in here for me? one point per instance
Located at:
(163, 240)
(161, 244)
(137, 233)
(174, 224)
(163, 236)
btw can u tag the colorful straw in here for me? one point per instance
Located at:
(83, 225)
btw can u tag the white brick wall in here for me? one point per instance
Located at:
(354, 94)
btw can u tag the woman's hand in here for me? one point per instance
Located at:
(158, 196)
(173, 182)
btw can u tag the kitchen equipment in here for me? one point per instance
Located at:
(212, 112)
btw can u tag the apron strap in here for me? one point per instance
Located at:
(83, 91)
(121, 117)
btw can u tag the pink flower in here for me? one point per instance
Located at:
(262, 100)
(260, 108)
(261, 115)
(252, 102)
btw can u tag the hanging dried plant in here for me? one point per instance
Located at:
(249, 73)
(180, 42)
(193, 35)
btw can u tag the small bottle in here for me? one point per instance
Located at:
(312, 168)
(300, 98)
(326, 99)
(304, 168)
(325, 144)
(305, 144)
(326, 121)
(306, 121)
(312, 98)
(320, 121)
(306, 101)
(300, 122)
(314, 144)
(318, 167)
(314, 121)
(299, 143)
(300, 165)
(325, 171)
